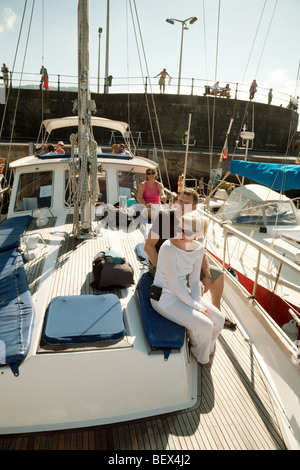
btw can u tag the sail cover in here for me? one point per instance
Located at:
(276, 176)
(16, 309)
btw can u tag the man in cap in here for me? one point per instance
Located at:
(39, 150)
(60, 147)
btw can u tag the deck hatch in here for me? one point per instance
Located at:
(83, 319)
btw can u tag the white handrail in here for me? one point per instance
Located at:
(229, 228)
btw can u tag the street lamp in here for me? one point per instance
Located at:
(191, 20)
(99, 32)
(107, 48)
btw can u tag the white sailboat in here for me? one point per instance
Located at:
(73, 357)
(88, 380)
(254, 237)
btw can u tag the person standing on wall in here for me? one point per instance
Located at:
(253, 89)
(5, 71)
(162, 80)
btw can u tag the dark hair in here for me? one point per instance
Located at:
(191, 192)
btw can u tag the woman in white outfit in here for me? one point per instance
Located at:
(179, 257)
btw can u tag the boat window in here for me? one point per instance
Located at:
(241, 210)
(232, 207)
(128, 183)
(69, 189)
(267, 214)
(35, 191)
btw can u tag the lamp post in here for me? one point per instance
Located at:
(107, 48)
(99, 32)
(191, 20)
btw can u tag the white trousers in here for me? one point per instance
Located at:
(203, 331)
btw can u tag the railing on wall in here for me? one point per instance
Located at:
(188, 86)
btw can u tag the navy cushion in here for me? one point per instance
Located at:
(10, 231)
(16, 309)
(160, 332)
(84, 319)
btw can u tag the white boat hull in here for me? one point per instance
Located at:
(281, 370)
(69, 390)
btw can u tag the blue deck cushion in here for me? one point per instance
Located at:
(160, 332)
(16, 309)
(83, 319)
(141, 252)
(10, 231)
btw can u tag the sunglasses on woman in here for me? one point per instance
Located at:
(151, 173)
(188, 233)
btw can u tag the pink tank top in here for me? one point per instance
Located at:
(151, 196)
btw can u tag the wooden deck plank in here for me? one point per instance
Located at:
(234, 409)
(239, 396)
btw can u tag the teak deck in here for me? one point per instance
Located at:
(234, 409)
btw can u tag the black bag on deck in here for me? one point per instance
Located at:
(111, 271)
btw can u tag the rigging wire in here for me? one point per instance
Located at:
(293, 133)
(254, 39)
(216, 69)
(207, 97)
(43, 57)
(142, 73)
(6, 103)
(153, 102)
(21, 76)
(297, 80)
(43, 29)
(246, 68)
(263, 48)
(13, 68)
(23, 64)
(127, 66)
(255, 36)
(19, 87)
(204, 33)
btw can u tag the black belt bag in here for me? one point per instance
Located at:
(155, 292)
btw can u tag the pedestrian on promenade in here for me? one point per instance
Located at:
(162, 80)
(5, 71)
(270, 96)
(253, 89)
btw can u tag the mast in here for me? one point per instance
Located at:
(187, 143)
(87, 191)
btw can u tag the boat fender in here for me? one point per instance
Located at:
(291, 330)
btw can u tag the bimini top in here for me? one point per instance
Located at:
(58, 123)
(276, 176)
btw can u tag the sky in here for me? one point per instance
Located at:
(232, 41)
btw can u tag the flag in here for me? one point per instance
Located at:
(45, 81)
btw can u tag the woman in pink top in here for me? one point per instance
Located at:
(150, 191)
